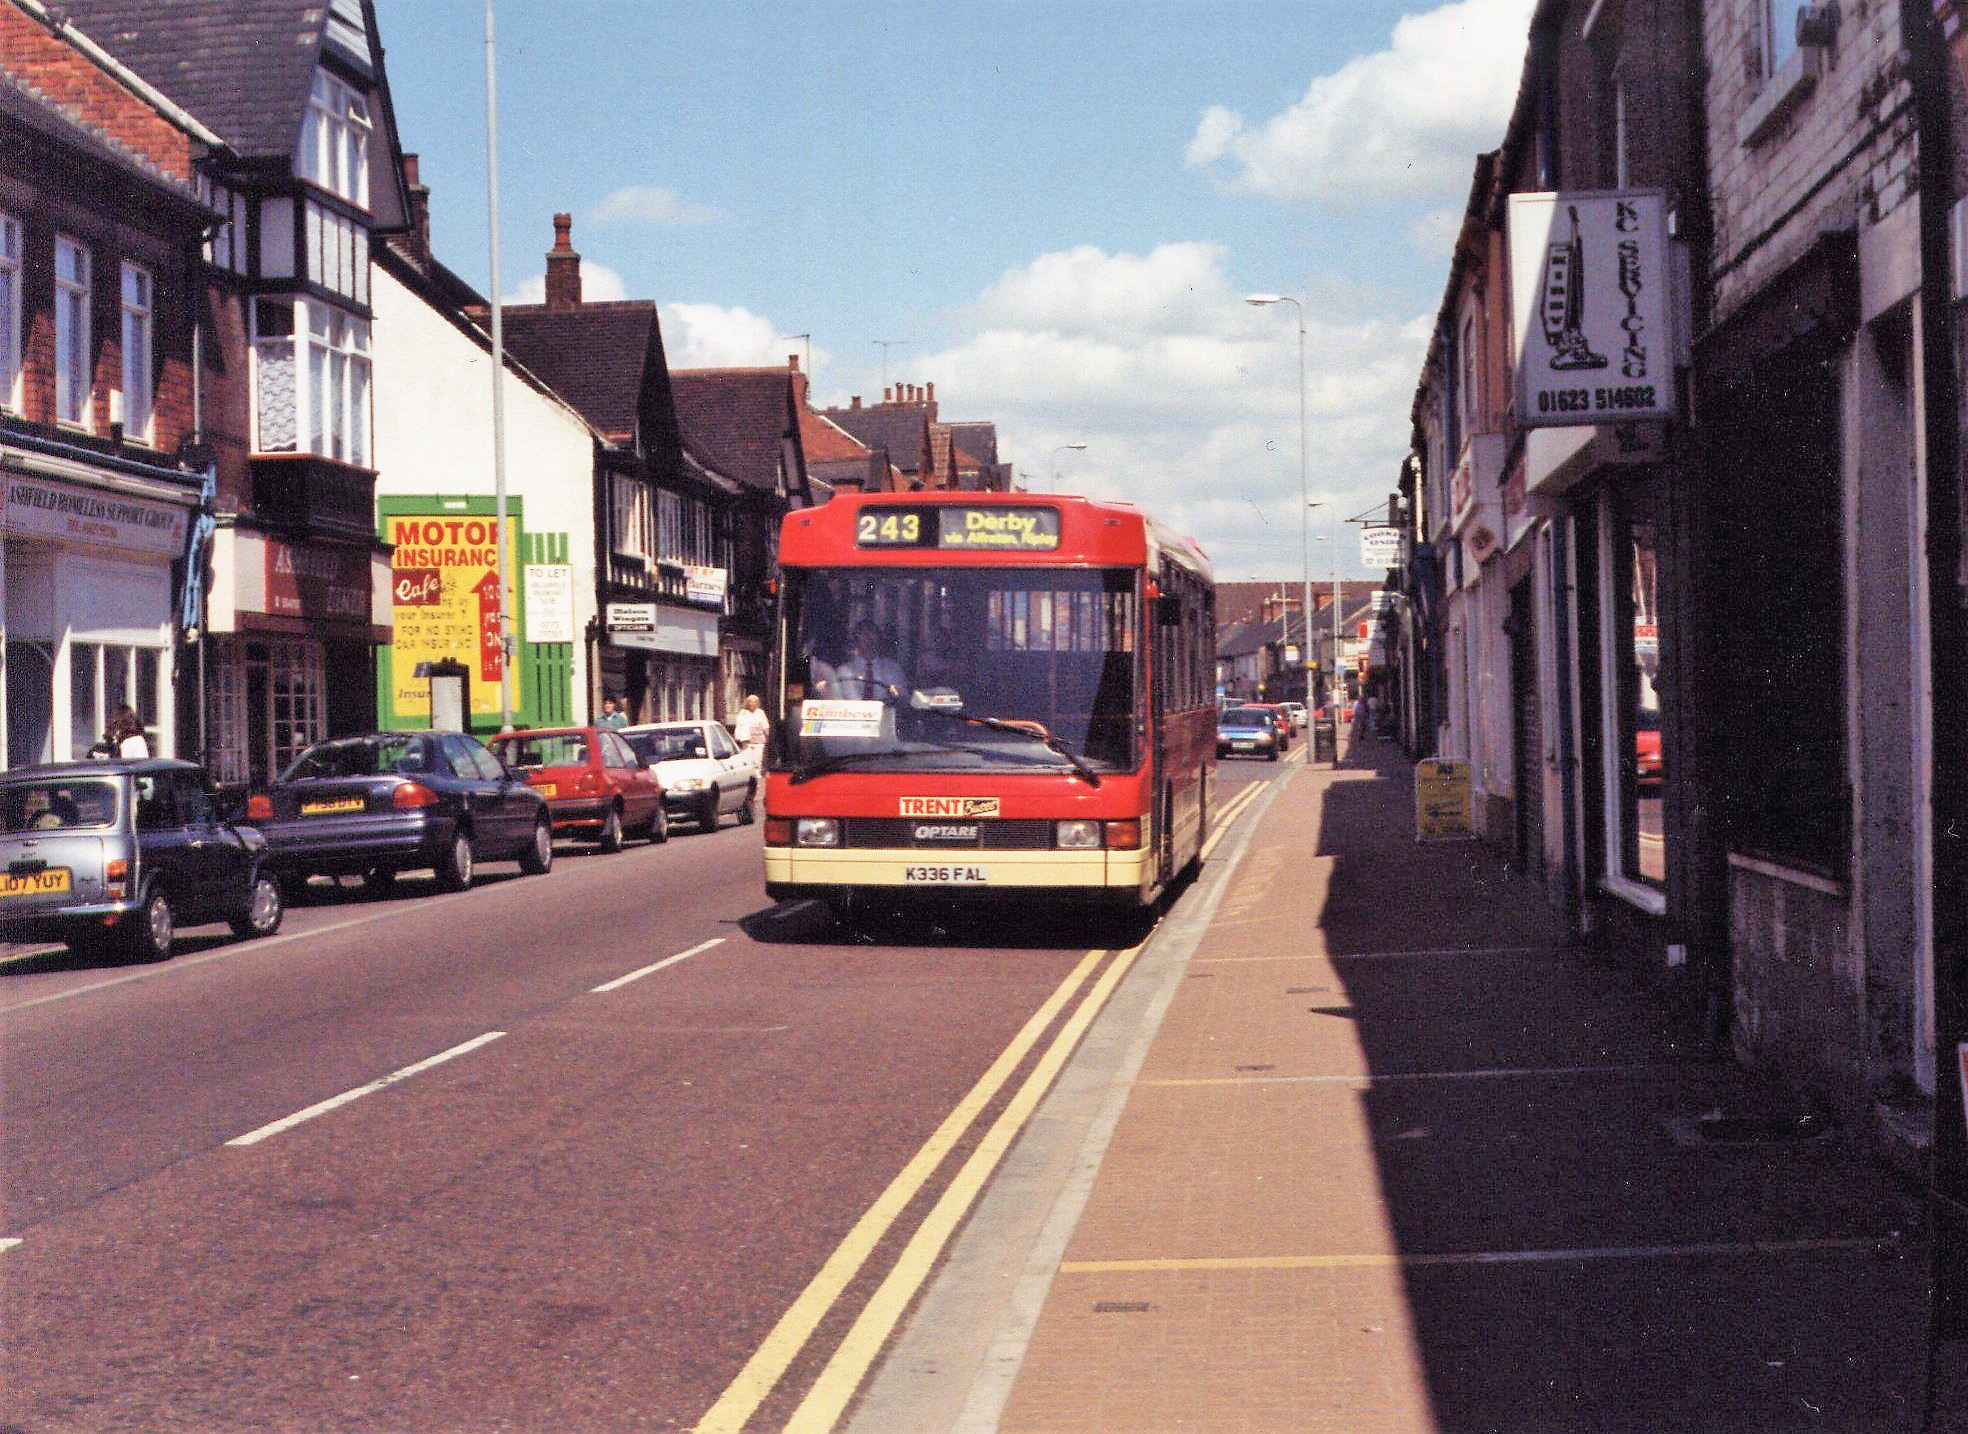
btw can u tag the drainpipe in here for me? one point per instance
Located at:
(1948, 639)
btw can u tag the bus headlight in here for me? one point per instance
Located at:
(1076, 836)
(817, 831)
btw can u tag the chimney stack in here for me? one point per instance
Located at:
(793, 362)
(563, 267)
(417, 243)
(854, 402)
(888, 395)
(929, 397)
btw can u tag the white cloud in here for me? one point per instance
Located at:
(712, 336)
(654, 206)
(599, 283)
(1186, 397)
(1407, 120)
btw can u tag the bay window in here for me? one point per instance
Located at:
(334, 150)
(139, 400)
(72, 369)
(311, 385)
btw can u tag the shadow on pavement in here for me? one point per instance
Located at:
(1565, 1262)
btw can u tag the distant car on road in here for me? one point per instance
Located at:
(1247, 732)
(703, 772)
(125, 853)
(1299, 715)
(1647, 751)
(595, 785)
(392, 802)
(1280, 719)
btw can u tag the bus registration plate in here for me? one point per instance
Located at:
(945, 875)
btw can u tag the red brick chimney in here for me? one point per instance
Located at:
(563, 267)
(855, 401)
(417, 243)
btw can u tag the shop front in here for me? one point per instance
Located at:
(87, 598)
(291, 653)
(660, 660)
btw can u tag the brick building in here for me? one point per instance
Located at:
(308, 174)
(102, 472)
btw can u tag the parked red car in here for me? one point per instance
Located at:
(595, 786)
(1647, 751)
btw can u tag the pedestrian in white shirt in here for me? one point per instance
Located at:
(752, 729)
(127, 730)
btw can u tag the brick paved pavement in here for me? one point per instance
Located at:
(1399, 1162)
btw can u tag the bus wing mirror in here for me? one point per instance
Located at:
(1168, 610)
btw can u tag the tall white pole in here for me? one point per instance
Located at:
(498, 375)
(1304, 513)
(1339, 687)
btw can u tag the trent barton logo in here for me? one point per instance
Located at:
(966, 807)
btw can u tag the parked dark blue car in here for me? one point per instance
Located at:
(401, 801)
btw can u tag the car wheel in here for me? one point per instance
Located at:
(707, 815)
(611, 830)
(1273, 755)
(264, 908)
(154, 931)
(659, 825)
(536, 859)
(748, 813)
(454, 869)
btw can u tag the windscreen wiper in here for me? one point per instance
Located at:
(998, 724)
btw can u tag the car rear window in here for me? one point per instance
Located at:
(72, 805)
(565, 749)
(360, 757)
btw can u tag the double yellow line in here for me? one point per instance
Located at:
(834, 1389)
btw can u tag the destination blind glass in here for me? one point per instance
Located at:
(959, 528)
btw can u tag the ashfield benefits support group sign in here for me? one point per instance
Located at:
(1590, 286)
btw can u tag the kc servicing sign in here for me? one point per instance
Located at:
(1590, 293)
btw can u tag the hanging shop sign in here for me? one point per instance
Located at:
(444, 599)
(1443, 808)
(704, 586)
(1592, 306)
(1380, 549)
(550, 602)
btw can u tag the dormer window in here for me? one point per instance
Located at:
(334, 149)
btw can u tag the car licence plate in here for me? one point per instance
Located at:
(52, 882)
(338, 807)
(547, 789)
(945, 875)
(1243, 746)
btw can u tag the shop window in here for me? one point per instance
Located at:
(102, 679)
(225, 715)
(286, 692)
(1635, 757)
(10, 313)
(72, 375)
(139, 404)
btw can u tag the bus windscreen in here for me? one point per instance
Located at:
(959, 669)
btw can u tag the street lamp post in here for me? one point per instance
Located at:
(1052, 465)
(1304, 489)
(498, 381)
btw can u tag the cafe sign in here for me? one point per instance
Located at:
(1592, 308)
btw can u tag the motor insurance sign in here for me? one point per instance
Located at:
(1590, 300)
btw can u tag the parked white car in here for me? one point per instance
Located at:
(703, 771)
(1298, 714)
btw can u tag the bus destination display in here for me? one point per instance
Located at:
(959, 528)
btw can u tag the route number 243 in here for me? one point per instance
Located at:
(874, 529)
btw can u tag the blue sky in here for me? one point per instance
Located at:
(1061, 204)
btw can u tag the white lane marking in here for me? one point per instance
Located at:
(254, 1137)
(6, 1245)
(650, 970)
(1501, 1073)
(1476, 1257)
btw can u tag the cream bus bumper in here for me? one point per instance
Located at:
(796, 871)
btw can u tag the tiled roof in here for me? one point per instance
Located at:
(595, 355)
(737, 420)
(24, 105)
(979, 441)
(897, 427)
(825, 441)
(243, 67)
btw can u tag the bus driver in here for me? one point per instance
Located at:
(865, 673)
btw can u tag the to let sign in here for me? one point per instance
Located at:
(1590, 285)
(1443, 808)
